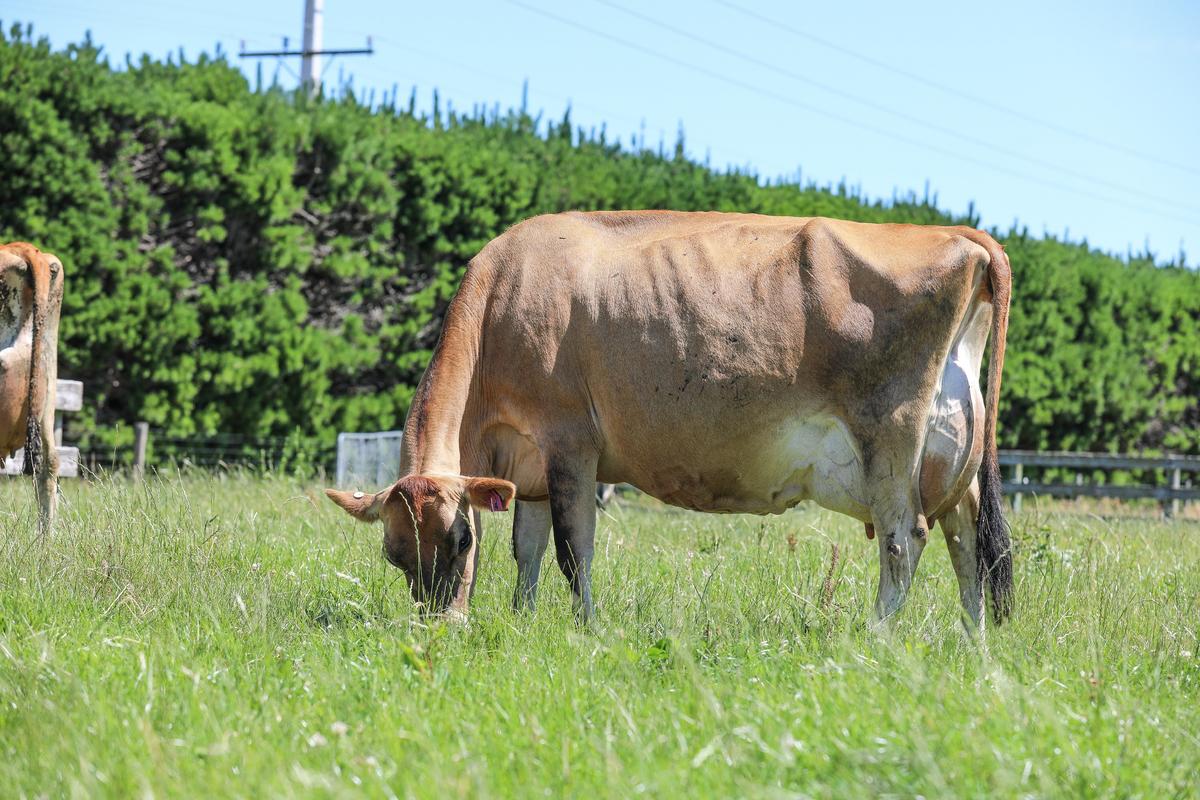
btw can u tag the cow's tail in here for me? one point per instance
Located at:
(39, 277)
(993, 549)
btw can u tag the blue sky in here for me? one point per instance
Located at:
(1072, 118)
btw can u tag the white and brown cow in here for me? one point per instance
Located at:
(719, 362)
(31, 290)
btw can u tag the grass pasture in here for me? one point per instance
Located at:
(240, 636)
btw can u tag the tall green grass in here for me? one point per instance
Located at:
(241, 636)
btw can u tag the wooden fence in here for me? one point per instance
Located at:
(68, 397)
(1171, 493)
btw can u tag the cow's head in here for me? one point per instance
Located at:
(427, 530)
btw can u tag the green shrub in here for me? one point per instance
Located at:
(255, 262)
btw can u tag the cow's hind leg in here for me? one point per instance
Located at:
(901, 529)
(572, 484)
(531, 535)
(961, 531)
(45, 481)
(900, 551)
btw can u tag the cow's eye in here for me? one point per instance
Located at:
(464, 541)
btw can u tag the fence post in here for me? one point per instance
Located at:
(1018, 478)
(1172, 508)
(141, 435)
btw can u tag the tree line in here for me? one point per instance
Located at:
(246, 260)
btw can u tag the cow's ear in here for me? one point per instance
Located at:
(363, 507)
(490, 494)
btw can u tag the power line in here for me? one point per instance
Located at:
(941, 87)
(1038, 162)
(492, 74)
(791, 101)
(85, 17)
(558, 95)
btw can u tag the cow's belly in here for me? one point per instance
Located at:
(760, 470)
(816, 458)
(813, 458)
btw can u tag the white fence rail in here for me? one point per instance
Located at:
(68, 397)
(368, 459)
(1171, 494)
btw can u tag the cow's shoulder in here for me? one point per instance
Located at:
(533, 241)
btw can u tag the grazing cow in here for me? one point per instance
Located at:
(718, 362)
(31, 290)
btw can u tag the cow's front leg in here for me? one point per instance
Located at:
(531, 534)
(572, 484)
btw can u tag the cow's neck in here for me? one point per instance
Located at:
(435, 419)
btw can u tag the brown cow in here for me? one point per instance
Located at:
(31, 290)
(719, 362)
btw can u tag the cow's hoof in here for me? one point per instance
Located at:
(455, 616)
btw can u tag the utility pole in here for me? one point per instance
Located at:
(311, 51)
(310, 62)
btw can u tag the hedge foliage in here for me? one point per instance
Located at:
(246, 260)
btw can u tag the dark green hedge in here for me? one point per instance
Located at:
(254, 262)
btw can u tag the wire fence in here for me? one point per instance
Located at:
(373, 458)
(215, 453)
